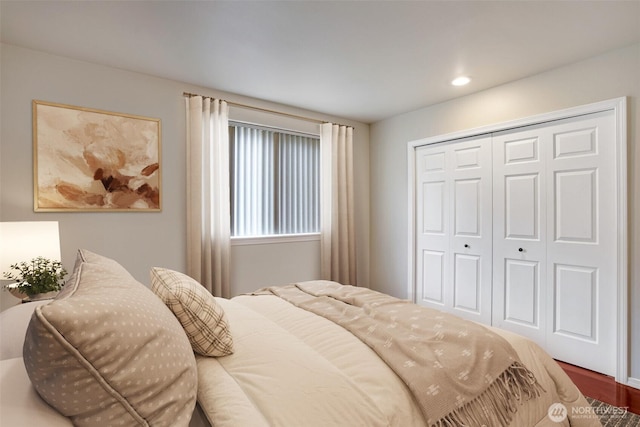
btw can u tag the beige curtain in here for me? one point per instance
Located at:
(338, 250)
(208, 206)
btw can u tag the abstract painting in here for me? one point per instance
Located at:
(93, 160)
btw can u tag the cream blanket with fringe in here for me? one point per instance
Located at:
(459, 372)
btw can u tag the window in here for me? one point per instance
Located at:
(275, 181)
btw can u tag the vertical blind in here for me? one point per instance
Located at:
(275, 182)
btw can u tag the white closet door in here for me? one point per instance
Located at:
(519, 224)
(581, 242)
(453, 265)
(554, 237)
(432, 225)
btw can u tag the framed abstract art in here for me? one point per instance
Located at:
(93, 160)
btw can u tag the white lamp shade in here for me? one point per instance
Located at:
(24, 240)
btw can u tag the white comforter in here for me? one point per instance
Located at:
(292, 368)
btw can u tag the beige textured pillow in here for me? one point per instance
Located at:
(107, 351)
(202, 318)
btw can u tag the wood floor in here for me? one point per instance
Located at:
(604, 388)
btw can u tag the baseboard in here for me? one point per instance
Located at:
(633, 382)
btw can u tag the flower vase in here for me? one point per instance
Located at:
(39, 297)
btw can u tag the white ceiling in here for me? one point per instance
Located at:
(364, 60)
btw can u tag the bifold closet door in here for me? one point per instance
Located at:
(554, 248)
(519, 224)
(453, 223)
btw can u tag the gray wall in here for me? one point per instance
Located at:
(608, 76)
(142, 240)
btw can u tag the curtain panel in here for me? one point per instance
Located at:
(338, 249)
(208, 207)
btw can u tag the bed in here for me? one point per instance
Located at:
(293, 355)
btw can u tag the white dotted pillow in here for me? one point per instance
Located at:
(202, 318)
(107, 351)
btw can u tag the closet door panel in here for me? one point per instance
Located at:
(519, 209)
(471, 240)
(576, 205)
(471, 245)
(581, 248)
(433, 225)
(467, 285)
(454, 245)
(522, 199)
(434, 207)
(468, 207)
(575, 296)
(522, 292)
(432, 280)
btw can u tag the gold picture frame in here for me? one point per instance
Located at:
(95, 161)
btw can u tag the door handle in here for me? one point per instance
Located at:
(466, 245)
(520, 250)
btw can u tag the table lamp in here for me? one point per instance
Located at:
(24, 240)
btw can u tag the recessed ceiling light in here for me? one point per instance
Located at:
(460, 81)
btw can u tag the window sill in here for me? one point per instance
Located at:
(276, 238)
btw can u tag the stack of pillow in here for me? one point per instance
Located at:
(110, 350)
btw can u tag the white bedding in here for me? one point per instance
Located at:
(293, 368)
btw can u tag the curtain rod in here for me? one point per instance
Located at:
(265, 110)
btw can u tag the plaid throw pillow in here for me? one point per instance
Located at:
(202, 318)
